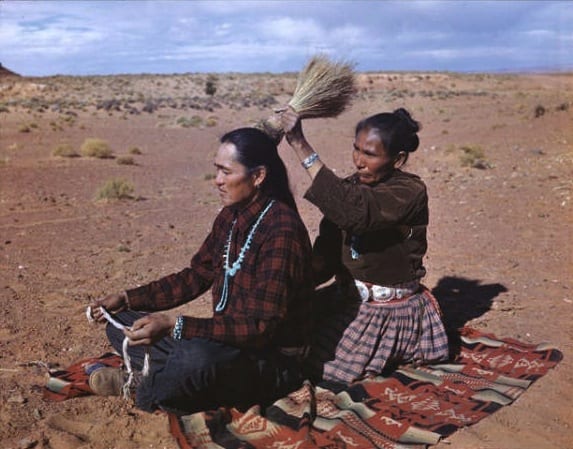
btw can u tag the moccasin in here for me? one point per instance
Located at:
(107, 381)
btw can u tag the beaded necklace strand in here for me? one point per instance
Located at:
(353, 250)
(231, 271)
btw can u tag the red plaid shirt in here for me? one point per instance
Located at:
(269, 298)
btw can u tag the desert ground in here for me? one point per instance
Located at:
(496, 153)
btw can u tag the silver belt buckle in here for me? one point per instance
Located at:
(380, 293)
(383, 294)
(377, 293)
(363, 290)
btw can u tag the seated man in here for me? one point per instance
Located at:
(256, 260)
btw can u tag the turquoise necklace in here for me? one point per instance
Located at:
(353, 250)
(231, 271)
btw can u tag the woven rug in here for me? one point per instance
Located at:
(413, 408)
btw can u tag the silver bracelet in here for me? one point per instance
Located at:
(307, 163)
(177, 333)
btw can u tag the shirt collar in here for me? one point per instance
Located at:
(353, 179)
(246, 216)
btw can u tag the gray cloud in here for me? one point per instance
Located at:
(95, 37)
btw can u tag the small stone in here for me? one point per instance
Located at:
(17, 399)
(27, 443)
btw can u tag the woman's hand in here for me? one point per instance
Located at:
(114, 303)
(150, 329)
(291, 124)
(292, 127)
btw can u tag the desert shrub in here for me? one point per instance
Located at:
(24, 128)
(149, 107)
(125, 160)
(69, 119)
(115, 189)
(211, 85)
(211, 121)
(134, 150)
(473, 156)
(187, 122)
(99, 148)
(539, 111)
(55, 126)
(65, 150)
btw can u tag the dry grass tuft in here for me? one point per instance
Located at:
(98, 148)
(125, 160)
(65, 150)
(474, 156)
(324, 89)
(190, 122)
(115, 189)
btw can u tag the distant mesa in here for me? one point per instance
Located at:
(6, 72)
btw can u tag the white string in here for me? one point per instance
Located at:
(112, 320)
(125, 345)
(127, 360)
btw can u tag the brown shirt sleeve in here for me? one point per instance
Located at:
(356, 208)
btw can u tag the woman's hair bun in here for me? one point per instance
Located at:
(405, 115)
(411, 127)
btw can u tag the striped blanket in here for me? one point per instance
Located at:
(411, 409)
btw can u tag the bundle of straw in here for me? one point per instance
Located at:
(324, 89)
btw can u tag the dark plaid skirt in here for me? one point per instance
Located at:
(362, 339)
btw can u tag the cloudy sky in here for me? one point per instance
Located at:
(40, 38)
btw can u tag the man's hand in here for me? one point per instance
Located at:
(114, 303)
(150, 329)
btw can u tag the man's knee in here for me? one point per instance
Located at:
(191, 378)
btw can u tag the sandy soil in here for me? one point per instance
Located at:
(500, 235)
